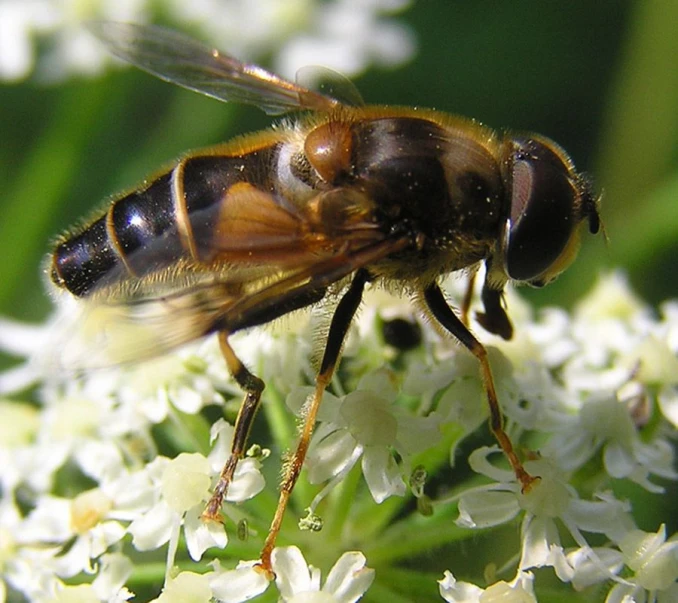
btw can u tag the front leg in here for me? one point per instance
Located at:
(447, 318)
(494, 319)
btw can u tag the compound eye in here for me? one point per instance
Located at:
(543, 202)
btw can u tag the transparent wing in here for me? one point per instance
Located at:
(181, 60)
(329, 82)
(100, 333)
(97, 334)
(269, 259)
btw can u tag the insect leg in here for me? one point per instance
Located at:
(468, 297)
(253, 387)
(494, 319)
(341, 321)
(300, 289)
(447, 318)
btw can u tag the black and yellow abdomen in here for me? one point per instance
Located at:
(153, 228)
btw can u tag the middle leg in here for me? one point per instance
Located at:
(341, 321)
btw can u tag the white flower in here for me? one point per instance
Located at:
(464, 401)
(654, 562)
(18, 23)
(519, 590)
(458, 592)
(280, 354)
(367, 424)
(548, 499)
(182, 487)
(173, 508)
(247, 480)
(31, 573)
(21, 340)
(653, 559)
(102, 589)
(607, 327)
(606, 422)
(297, 582)
(581, 391)
(87, 526)
(180, 380)
(300, 583)
(113, 572)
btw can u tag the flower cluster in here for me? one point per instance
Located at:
(46, 37)
(101, 472)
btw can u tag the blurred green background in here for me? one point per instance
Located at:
(601, 78)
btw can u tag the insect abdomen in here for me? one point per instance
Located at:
(117, 244)
(153, 228)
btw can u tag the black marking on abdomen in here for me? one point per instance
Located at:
(145, 229)
(135, 237)
(139, 233)
(206, 183)
(141, 217)
(80, 261)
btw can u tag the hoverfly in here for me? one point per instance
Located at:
(241, 234)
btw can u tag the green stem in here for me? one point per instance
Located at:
(340, 506)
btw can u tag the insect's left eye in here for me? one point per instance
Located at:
(543, 218)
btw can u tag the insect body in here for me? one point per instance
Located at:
(241, 234)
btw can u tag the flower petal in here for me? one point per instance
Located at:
(247, 481)
(539, 535)
(486, 509)
(292, 574)
(241, 584)
(458, 592)
(153, 529)
(201, 535)
(479, 463)
(382, 474)
(329, 456)
(349, 578)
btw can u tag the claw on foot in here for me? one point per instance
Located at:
(265, 570)
(527, 482)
